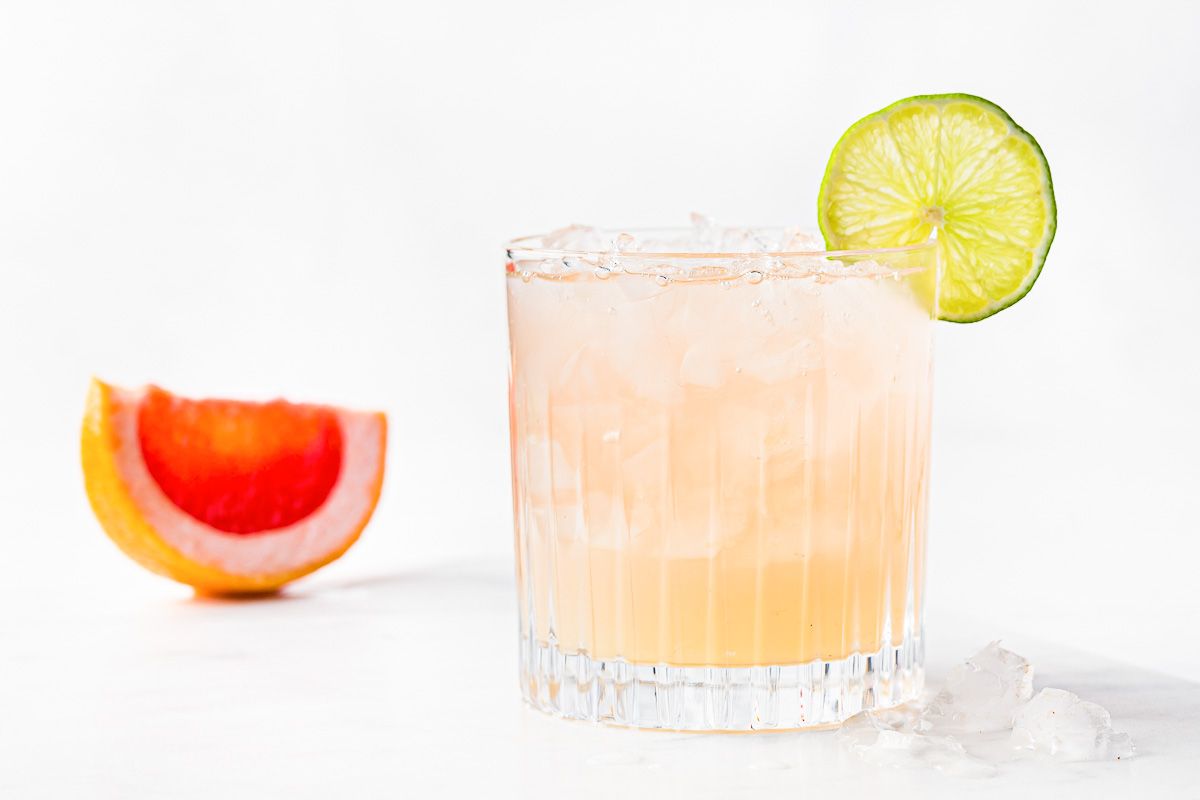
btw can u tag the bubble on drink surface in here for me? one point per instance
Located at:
(985, 715)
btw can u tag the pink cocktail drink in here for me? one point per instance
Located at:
(720, 466)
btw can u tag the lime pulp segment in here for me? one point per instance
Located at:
(953, 163)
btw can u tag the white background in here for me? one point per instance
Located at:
(309, 199)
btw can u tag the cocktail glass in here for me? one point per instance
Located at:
(720, 474)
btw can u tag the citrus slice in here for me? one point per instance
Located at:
(229, 497)
(955, 163)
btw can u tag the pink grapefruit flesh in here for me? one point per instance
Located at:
(230, 496)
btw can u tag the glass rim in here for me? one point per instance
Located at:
(528, 247)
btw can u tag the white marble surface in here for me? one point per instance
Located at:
(403, 685)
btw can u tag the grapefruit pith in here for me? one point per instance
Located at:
(226, 496)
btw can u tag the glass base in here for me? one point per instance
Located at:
(772, 697)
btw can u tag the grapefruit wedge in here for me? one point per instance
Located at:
(226, 496)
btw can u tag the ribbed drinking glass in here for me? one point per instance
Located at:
(720, 475)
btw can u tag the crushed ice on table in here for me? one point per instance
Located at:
(986, 714)
(901, 737)
(769, 252)
(982, 694)
(1058, 723)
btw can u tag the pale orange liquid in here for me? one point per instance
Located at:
(720, 473)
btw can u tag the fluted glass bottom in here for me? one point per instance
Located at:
(771, 697)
